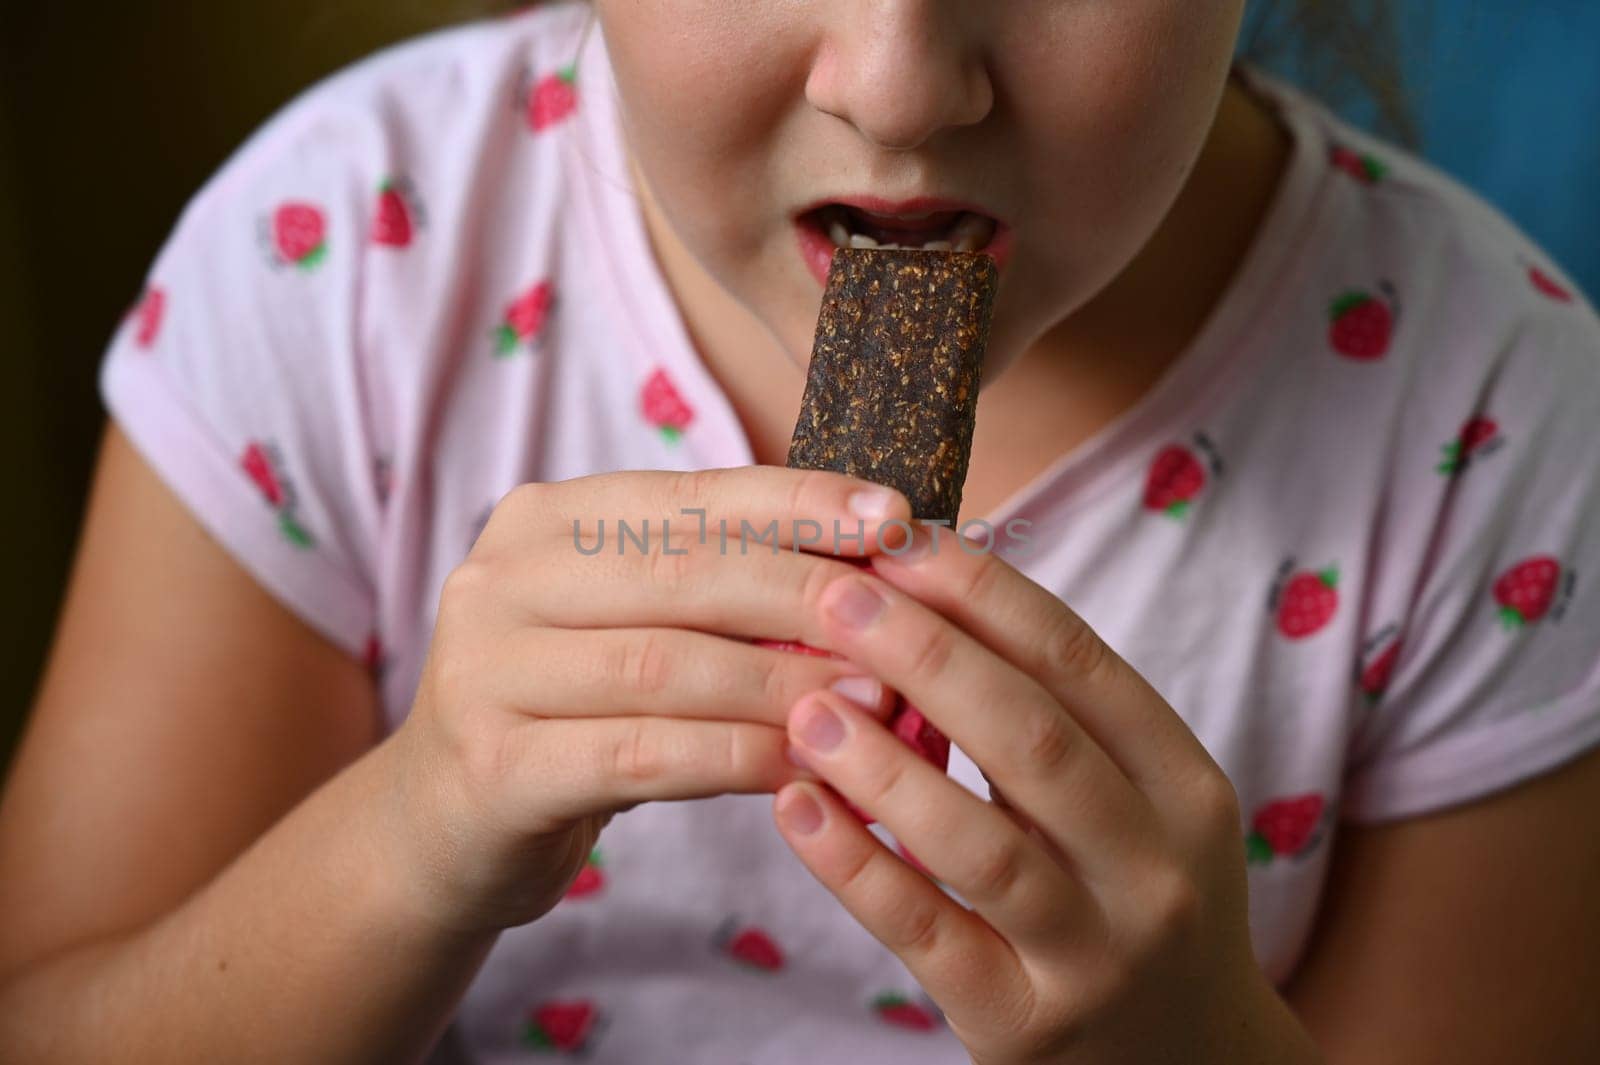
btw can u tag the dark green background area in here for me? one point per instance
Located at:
(112, 115)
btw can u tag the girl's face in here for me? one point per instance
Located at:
(1055, 134)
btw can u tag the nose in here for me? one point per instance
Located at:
(900, 71)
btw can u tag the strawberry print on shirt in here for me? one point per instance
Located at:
(1479, 438)
(893, 1007)
(264, 466)
(561, 1027)
(395, 220)
(552, 99)
(1305, 602)
(1364, 167)
(1285, 828)
(148, 317)
(664, 408)
(1528, 591)
(524, 320)
(591, 879)
(1547, 286)
(1383, 653)
(299, 236)
(749, 946)
(1179, 475)
(1363, 324)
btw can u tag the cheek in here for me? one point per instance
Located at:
(1116, 102)
(704, 95)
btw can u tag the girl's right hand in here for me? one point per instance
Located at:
(561, 688)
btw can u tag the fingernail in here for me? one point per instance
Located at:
(865, 692)
(858, 605)
(820, 728)
(871, 503)
(800, 813)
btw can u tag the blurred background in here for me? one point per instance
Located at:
(111, 117)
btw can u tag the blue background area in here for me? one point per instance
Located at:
(1508, 100)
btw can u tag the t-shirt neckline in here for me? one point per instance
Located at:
(1225, 345)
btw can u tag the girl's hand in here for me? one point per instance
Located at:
(562, 687)
(1107, 878)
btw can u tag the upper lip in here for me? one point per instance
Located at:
(909, 210)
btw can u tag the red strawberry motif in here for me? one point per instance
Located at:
(591, 879)
(300, 234)
(553, 98)
(525, 319)
(149, 315)
(1308, 603)
(1474, 438)
(1375, 678)
(1364, 168)
(392, 225)
(1363, 324)
(1548, 285)
(754, 948)
(261, 465)
(1176, 479)
(564, 1026)
(372, 655)
(896, 1009)
(664, 408)
(1526, 591)
(1285, 828)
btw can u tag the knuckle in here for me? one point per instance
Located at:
(1172, 907)
(995, 869)
(934, 652)
(692, 486)
(635, 759)
(1215, 803)
(464, 587)
(982, 579)
(643, 665)
(917, 934)
(1048, 742)
(670, 569)
(818, 575)
(1072, 649)
(884, 783)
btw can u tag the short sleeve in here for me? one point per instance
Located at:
(1496, 668)
(238, 378)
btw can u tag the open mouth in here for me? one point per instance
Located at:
(852, 227)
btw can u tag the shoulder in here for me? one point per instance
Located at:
(435, 104)
(1409, 255)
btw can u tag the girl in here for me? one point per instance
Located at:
(1285, 700)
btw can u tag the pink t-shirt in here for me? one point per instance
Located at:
(1353, 535)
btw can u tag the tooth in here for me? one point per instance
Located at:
(937, 245)
(968, 243)
(839, 235)
(861, 240)
(974, 225)
(893, 247)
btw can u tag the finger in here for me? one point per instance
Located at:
(551, 672)
(756, 590)
(1032, 628)
(1015, 730)
(569, 768)
(966, 966)
(971, 845)
(796, 507)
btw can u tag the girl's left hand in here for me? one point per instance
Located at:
(1107, 877)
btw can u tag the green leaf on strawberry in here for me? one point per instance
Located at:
(294, 532)
(1257, 850)
(313, 258)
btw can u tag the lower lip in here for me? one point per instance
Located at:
(817, 249)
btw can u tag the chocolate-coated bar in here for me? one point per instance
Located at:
(892, 391)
